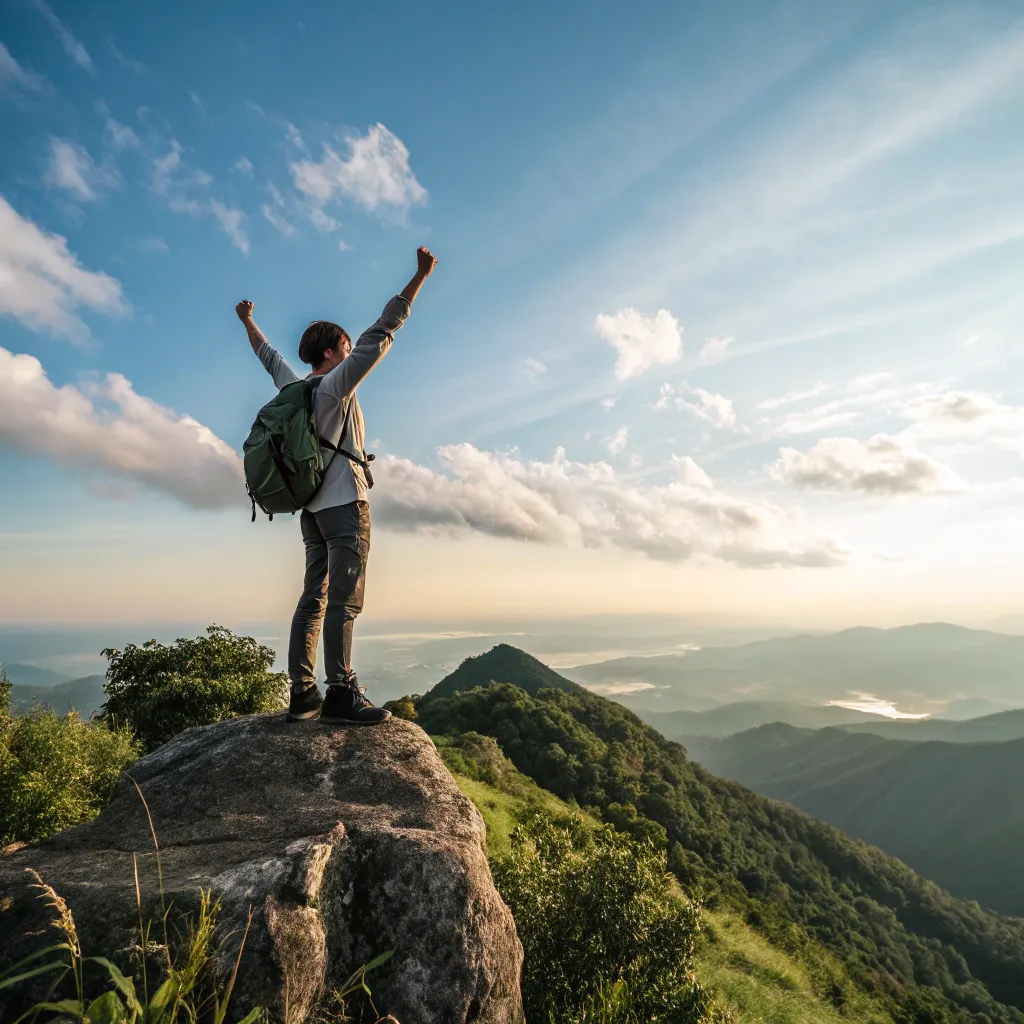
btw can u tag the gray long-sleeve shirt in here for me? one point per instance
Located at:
(344, 481)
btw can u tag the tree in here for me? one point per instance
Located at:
(55, 771)
(158, 690)
(599, 923)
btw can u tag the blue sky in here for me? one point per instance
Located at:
(727, 314)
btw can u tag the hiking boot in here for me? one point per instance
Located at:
(346, 705)
(305, 704)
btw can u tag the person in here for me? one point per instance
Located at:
(336, 523)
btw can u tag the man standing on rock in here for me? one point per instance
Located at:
(336, 523)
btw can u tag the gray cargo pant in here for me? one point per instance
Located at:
(337, 546)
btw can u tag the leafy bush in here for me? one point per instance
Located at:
(604, 937)
(158, 690)
(55, 771)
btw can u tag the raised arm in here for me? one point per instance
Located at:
(376, 340)
(268, 356)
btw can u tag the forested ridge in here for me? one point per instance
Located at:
(800, 881)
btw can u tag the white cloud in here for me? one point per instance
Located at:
(716, 409)
(967, 419)
(376, 173)
(43, 285)
(294, 136)
(618, 441)
(72, 47)
(120, 136)
(244, 166)
(972, 339)
(323, 222)
(641, 341)
(232, 223)
(73, 169)
(609, 403)
(884, 465)
(199, 105)
(690, 473)
(572, 503)
(714, 349)
(107, 428)
(868, 382)
(151, 244)
(795, 396)
(128, 63)
(534, 368)
(343, 246)
(187, 191)
(12, 73)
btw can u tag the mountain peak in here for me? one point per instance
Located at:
(503, 664)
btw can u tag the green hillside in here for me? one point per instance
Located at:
(748, 976)
(928, 662)
(952, 811)
(798, 881)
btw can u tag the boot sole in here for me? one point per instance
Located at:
(350, 721)
(303, 716)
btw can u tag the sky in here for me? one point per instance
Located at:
(727, 317)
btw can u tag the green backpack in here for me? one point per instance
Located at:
(284, 467)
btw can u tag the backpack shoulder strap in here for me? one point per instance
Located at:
(324, 443)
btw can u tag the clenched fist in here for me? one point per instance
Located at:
(425, 262)
(244, 310)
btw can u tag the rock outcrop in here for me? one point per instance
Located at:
(345, 844)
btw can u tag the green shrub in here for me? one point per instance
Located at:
(158, 690)
(55, 771)
(603, 935)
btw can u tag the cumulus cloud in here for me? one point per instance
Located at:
(72, 168)
(689, 472)
(572, 503)
(716, 409)
(965, 419)
(618, 441)
(375, 174)
(42, 283)
(107, 428)
(883, 465)
(72, 47)
(714, 349)
(13, 74)
(641, 341)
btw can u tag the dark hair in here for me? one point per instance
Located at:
(319, 336)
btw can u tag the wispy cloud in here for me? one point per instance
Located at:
(187, 191)
(128, 63)
(72, 168)
(274, 211)
(72, 47)
(572, 503)
(375, 174)
(716, 409)
(43, 284)
(118, 137)
(616, 444)
(534, 368)
(641, 341)
(13, 74)
(107, 428)
(244, 166)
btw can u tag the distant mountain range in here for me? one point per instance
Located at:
(730, 719)
(952, 811)
(922, 668)
(84, 695)
(30, 675)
